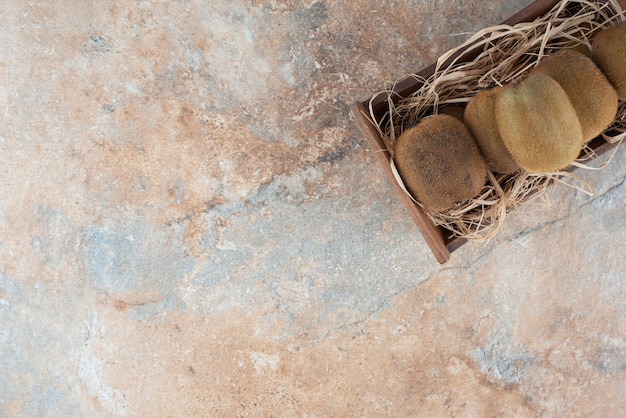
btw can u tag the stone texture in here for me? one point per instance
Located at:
(191, 225)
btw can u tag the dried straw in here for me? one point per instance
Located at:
(504, 54)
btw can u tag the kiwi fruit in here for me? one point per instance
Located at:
(439, 162)
(452, 110)
(587, 88)
(480, 118)
(585, 29)
(579, 47)
(609, 53)
(538, 124)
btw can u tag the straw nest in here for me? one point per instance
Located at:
(504, 53)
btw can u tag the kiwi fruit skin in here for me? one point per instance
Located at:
(439, 162)
(580, 48)
(609, 53)
(538, 124)
(452, 110)
(578, 45)
(589, 91)
(480, 118)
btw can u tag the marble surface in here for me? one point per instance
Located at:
(192, 225)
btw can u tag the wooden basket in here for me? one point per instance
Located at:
(440, 242)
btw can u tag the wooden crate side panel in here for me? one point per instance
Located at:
(432, 235)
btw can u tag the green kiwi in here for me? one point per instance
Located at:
(439, 162)
(480, 118)
(609, 53)
(538, 124)
(587, 88)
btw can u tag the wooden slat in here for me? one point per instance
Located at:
(433, 236)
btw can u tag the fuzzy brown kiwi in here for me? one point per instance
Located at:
(609, 53)
(589, 91)
(439, 162)
(580, 48)
(538, 124)
(453, 110)
(585, 30)
(480, 118)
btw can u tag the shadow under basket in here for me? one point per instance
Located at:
(368, 115)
